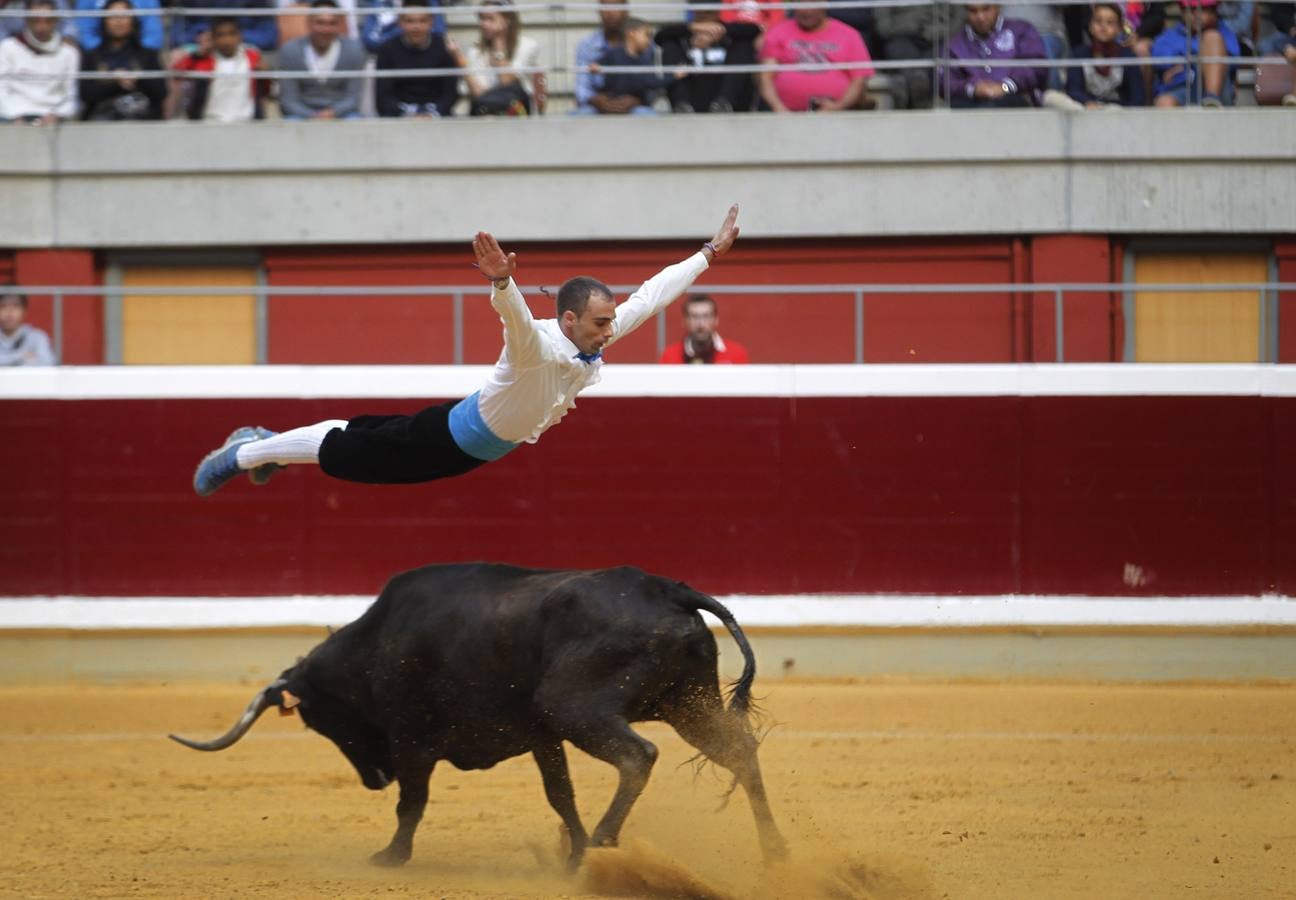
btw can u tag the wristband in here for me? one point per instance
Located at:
(712, 247)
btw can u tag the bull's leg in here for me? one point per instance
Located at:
(412, 776)
(725, 738)
(614, 741)
(552, 761)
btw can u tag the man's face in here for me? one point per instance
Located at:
(11, 314)
(416, 27)
(226, 39)
(324, 29)
(701, 321)
(42, 27)
(1105, 25)
(810, 17)
(982, 18)
(593, 328)
(612, 19)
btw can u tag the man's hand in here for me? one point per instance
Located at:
(491, 259)
(728, 232)
(988, 90)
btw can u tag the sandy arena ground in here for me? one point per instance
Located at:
(884, 790)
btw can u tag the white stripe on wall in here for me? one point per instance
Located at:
(1072, 379)
(885, 611)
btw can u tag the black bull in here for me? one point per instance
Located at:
(478, 663)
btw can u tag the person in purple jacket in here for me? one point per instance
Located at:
(985, 73)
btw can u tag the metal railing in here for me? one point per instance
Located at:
(940, 64)
(1054, 294)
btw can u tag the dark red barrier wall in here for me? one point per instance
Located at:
(769, 495)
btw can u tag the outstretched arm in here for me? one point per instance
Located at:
(657, 292)
(520, 339)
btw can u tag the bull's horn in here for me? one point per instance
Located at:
(260, 703)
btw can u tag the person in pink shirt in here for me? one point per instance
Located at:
(811, 37)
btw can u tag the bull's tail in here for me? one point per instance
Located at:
(740, 701)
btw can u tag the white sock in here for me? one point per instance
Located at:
(301, 445)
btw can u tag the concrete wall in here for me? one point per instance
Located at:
(562, 178)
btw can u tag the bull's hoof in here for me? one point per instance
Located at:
(575, 857)
(389, 858)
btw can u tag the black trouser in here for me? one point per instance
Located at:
(396, 449)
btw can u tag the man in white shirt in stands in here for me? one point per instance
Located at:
(544, 365)
(38, 71)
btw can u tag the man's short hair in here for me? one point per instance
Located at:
(634, 24)
(40, 4)
(324, 4)
(576, 292)
(414, 4)
(700, 298)
(221, 21)
(11, 292)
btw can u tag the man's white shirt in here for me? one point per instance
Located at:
(539, 374)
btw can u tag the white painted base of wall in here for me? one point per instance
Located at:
(874, 610)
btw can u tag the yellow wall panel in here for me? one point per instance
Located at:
(1211, 326)
(184, 330)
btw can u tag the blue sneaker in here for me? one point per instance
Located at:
(261, 474)
(221, 464)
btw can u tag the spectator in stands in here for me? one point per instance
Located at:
(502, 49)
(89, 34)
(904, 33)
(707, 41)
(41, 49)
(811, 37)
(587, 91)
(416, 47)
(1143, 22)
(383, 24)
(983, 75)
(1201, 34)
(12, 25)
(118, 49)
(262, 32)
(233, 95)
(702, 343)
(322, 52)
(21, 344)
(636, 90)
(1095, 85)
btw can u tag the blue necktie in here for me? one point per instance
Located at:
(589, 357)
